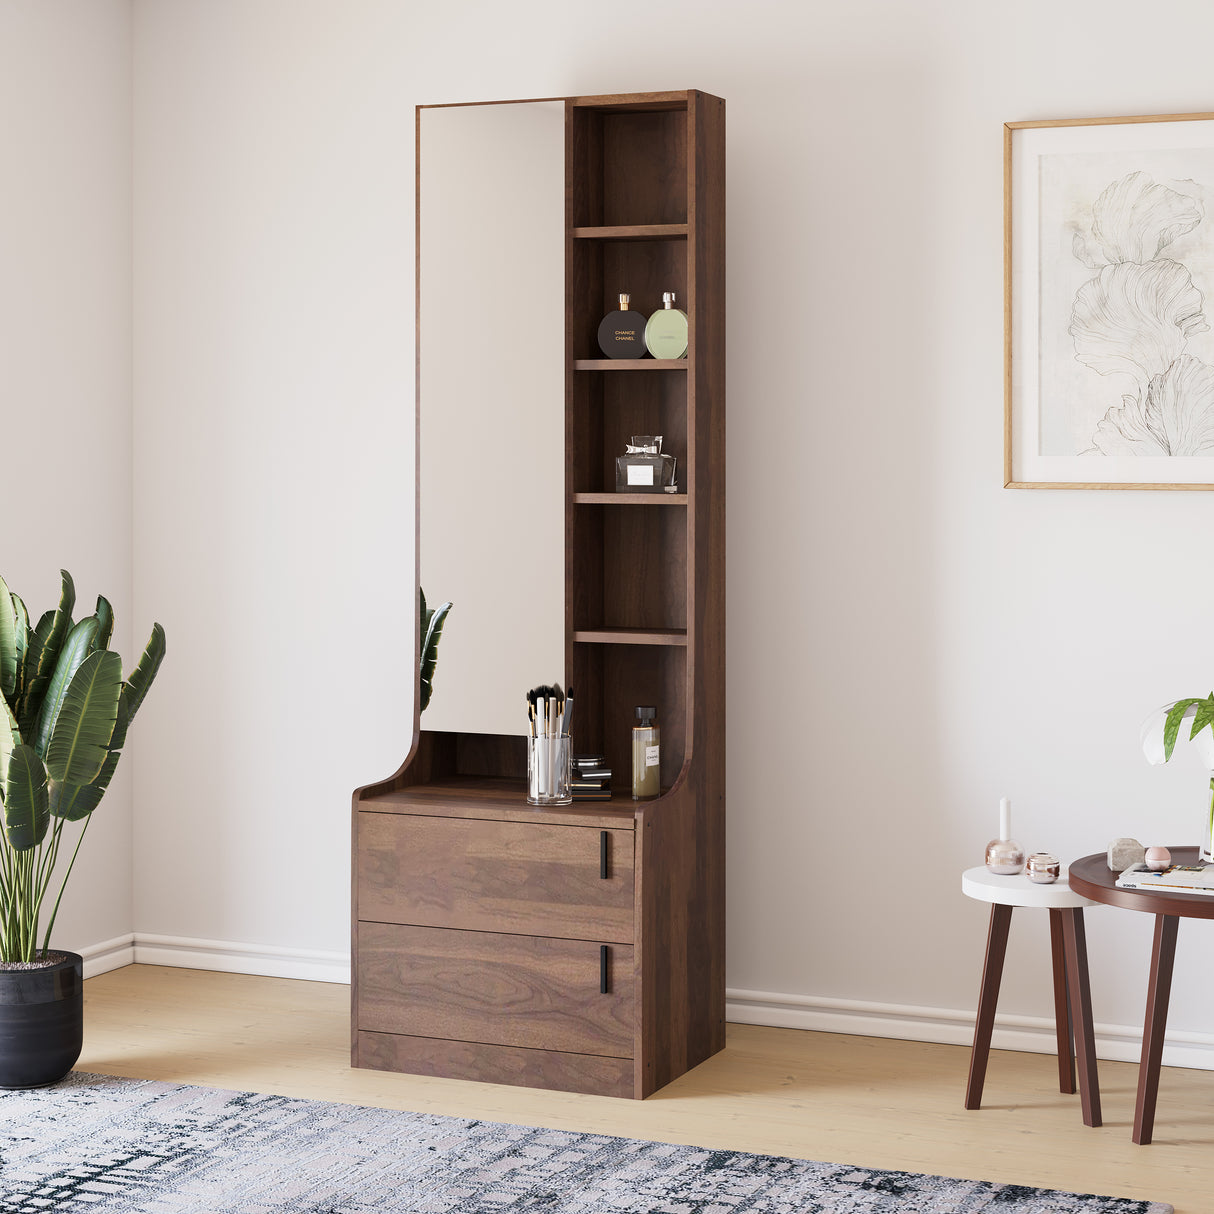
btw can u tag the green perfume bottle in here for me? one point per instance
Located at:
(622, 333)
(666, 330)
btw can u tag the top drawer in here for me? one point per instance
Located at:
(530, 878)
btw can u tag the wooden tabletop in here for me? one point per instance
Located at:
(1092, 878)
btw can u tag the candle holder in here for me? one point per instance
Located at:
(1003, 855)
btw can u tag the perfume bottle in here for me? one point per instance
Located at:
(644, 468)
(622, 333)
(666, 330)
(646, 755)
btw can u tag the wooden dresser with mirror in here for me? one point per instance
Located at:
(578, 947)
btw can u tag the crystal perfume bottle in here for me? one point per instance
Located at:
(644, 468)
(666, 330)
(622, 333)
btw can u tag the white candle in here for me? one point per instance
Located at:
(1005, 819)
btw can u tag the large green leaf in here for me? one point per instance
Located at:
(23, 628)
(1171, 725)
(50, 632)
(8, 642)
(1203, 718)
(140, 679)
(10, 737)
(105, 623)
(429, 653)
(75, 801)
(79, 745)
(75, 649)
(25, 799)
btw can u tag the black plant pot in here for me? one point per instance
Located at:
(41, 1022)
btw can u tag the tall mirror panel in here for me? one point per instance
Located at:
(491, 405)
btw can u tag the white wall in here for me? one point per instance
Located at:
(65, 360)
(945, 641)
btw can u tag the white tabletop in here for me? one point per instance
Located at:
(1018, 890)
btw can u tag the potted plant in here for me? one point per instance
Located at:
(1159, 734)
(67, 710)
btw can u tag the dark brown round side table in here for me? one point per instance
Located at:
(1091, 878)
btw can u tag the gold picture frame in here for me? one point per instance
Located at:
(1109, 303)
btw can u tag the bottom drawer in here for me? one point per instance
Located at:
(590, 1073)
(496, 989)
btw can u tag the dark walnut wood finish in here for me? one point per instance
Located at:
(582, 948)
(1092, 878)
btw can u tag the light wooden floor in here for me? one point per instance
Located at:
(857, 1100)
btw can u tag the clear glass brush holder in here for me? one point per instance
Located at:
(548, 770)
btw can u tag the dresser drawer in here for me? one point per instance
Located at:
(497, 989)
(531, 878)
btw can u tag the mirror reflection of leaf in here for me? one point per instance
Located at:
(431, 634)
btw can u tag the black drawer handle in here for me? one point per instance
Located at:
(604, 840)
(603, 969)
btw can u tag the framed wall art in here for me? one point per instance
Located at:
(1109, 310)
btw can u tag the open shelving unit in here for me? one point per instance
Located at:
(628, 897)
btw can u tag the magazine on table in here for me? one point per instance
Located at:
(1177, 878)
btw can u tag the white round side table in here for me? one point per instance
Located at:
(1072, 991)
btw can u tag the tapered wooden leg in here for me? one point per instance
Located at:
(1081, 1013)
(1159, 990)
(988, 997)
(1062, 1012)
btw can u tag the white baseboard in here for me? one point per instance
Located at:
(903, 1022)
(108, 955)
(273, 962)
(1032, 1034)
(185, 952)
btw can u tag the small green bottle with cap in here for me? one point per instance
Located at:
(666, 330)
(646, 756)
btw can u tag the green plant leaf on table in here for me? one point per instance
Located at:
(1171, 725)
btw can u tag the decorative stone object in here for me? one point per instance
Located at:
(1158, 858)
(1124, 853)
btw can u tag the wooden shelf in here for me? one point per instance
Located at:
(631, 636)
(630, 499)
(630, 364)
(633, 231)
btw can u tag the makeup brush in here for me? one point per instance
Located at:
(569, 710)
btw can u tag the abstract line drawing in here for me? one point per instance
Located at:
(1109, 303)
(1136, 318)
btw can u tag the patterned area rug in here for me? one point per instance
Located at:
(94, 1142)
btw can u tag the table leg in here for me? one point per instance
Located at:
(988, 997)
(1159, 990)
(1081, 1008)
(1062, 1011)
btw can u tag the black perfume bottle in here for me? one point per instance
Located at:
(622, 333)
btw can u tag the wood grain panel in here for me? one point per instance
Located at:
(530, 878)
(593, 1074)
(496, 989)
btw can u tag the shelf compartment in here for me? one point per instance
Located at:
(611, 681)
(629, 167)
(634, 231)
(630, 364)
(629, 569)
(631, 636)
(630, 499)
(606, 411)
